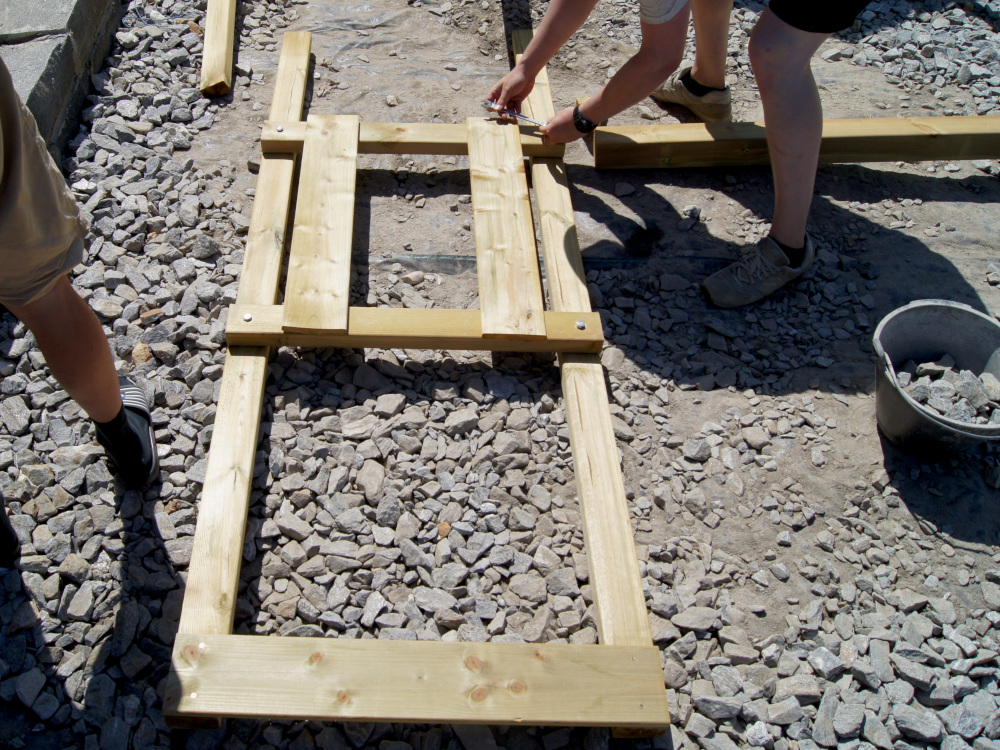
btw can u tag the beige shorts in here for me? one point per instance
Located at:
(41, 231)
(660, 11)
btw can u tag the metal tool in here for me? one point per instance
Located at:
(489, 105)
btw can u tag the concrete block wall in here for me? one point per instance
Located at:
(51, 48)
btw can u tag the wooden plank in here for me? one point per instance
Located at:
(564, 274)
(318, 290)
(217, 57)
(538, 105)
(387, 328)
(510, 287)
(213, 574)
(849, 140)
(269, 219)
(279, 137)
(413, 681)
(293, 75)
(614, 567)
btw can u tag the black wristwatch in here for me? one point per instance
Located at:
(582, 123)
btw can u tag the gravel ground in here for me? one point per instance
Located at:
(807, 585)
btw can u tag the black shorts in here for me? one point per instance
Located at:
(819, 18)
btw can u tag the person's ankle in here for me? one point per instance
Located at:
(695, 87)
(796, 255)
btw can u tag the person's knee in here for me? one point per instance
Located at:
(766, 60)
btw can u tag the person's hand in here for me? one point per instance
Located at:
(511, 90)
(560, 129)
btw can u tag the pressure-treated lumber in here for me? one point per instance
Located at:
(269, 219)
(389, 328)
(213, 580)
(412, 681)
(279, 137)
(564, 272)
(744, 143)
(614, 568)
(510, 286)
(210, 596)
(217, 57)
(318, 290)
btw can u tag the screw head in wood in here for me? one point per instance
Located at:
(280, 128)
(247, 317)
(581, 325)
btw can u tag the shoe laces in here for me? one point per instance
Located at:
(751, 267)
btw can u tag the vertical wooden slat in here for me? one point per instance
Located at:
(213, 574)
(614, 567)
(217, 57)
(269, 219)
(510, 286)
(564, 272)
(318, 290)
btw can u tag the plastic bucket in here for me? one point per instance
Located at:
(924, 331)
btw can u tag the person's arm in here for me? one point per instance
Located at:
(659, 55)
(561, 20)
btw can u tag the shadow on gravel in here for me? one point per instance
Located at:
(88, 645)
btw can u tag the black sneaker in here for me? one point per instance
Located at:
(10, 546)
(128, 439)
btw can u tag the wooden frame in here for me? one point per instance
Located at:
(216, 674)
(745, 143)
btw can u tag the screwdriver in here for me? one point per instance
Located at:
(490, 106)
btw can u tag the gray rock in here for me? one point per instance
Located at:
(717, 708)
(823, 732)
(918, 723)
(961, 721)
(848, 720)
(784, 712)
(803, 687)
(699, 619)
(826, 663)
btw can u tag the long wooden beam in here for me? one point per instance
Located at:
(279, 137)
(413, 681)
(217, 57)
(393, 327)
(213, 574)
(745, 143)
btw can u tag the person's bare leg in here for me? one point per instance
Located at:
(75, 348)
(711, 34)
(793, 114)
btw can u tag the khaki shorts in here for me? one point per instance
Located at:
(41, 231)
(660, 11)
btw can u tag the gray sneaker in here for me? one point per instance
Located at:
(715, 106)
(761, 270)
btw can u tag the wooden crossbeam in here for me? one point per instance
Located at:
(510, 286)
(389, 327)
(279, 137)
(488, 683)
(745, 143)
(318, 289)
(217, 57)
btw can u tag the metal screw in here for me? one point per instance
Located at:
(247, 317)
(581, 325)
(280, 128)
